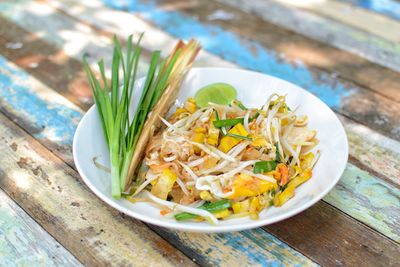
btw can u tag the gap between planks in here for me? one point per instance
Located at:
(342, 96)
(24, 242)
(36, 165)
(50, 94)
(322, 29)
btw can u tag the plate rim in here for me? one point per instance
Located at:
(214, 228)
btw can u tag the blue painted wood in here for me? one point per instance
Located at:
(60, 122)
(52, 121)
(246, 53)
(389, 8)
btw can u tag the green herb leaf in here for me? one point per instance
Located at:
(212, 207)
(264, 166)
(227, 122)
(239, 136)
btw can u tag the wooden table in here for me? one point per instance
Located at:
(345, 52)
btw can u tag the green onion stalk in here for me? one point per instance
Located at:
(112, 99)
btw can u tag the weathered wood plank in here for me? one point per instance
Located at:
(377, 152)
(356, 203)
(23, 242)
(345, 97)
(389, 8)
(335, 239)
(39, 105)
(377, 24)
(323, 29)
(52, 193)
(251, 247)
(369, 200)
(393, 162)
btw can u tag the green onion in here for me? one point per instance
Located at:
(239, 136)
(227, 122)
(254, 117)
(212, 207)
(112, 102)
(264, 166)
(277, 154)
(239, 104)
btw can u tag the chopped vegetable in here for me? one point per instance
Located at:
(218, 93)
(212, 207)
(163, 184)
(227, 122)
(245, 185)
(227, 142)
(264, 166)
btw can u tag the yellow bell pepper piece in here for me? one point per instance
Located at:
(164, 184)
(284, 196)
(227, 142)
(301, 178)
(190, 105)
(249, 186)
(200, 130)
(198, 138)
(241, 206)
(259, 141)
(306, 160)
(213, 133)
(222, 214)
(281, 197)
(205, 195)
(255, 207)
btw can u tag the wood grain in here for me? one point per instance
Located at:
(377, 24)
(40, 108)
(364, 143)
(295, 48)
(23, 242)
(325, 30)
(353, 201)
(347, 98)
(375, 224)
(52, 193)
(334, 239)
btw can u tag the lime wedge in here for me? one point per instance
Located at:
(218, 93)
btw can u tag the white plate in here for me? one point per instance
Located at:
(253, 89)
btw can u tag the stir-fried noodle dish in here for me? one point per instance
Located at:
(227, 161)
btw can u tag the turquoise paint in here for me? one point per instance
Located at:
(389, 8)
(246, 53)
(256, 247)
(369, 200)
(56, 123)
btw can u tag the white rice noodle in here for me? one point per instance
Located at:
(268, 122)
(197, 203)
(233, 153)
(223, 117)
(260, 176)
(170, 126)
(196, 162)
(150, 177)
(189, 171)
(298, 151)
(203, 183)
(182, 186)
(277, 127)
(169, 159)
(177, 207)
(195, 116)
(291, 151)
(212, 151)
(246, 121)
